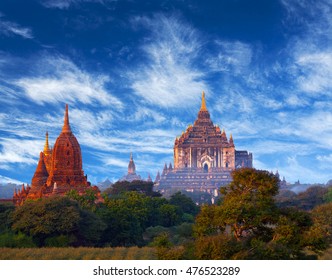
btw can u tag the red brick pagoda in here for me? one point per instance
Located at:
(59, 169)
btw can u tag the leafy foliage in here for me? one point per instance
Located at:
(86, 200)
(139, 186)
(5, 213)
(322, 219)
(328, 195)
(56, 216)
(248, 205)
(307, 200)
(248, 224)
(16, 240)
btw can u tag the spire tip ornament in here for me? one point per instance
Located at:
(203, 106)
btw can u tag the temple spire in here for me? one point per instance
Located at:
(66, 126)
(46, 146)
(203, 106)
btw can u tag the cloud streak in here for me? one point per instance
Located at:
(65, 4)
(9, 28)
(60, 80)
(169, 78)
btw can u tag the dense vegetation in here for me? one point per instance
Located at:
(251, 221)
(129, 216)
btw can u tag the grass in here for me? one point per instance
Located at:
(327, 254)
(82, 253)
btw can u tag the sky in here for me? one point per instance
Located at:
(132, 73)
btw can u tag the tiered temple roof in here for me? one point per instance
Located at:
(203, 157)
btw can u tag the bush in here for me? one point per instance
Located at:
(60, 241)
(19, 240)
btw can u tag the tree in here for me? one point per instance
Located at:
(169, 215)
(322, 219)
(86, 200)
(185, 203)
(208, 222)
(139, 186)
(5, 212)
(248, 205)
(328, 195)
(57, 216)
(248, 224)
(313, 196)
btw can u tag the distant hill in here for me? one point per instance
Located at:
(104, 185)
(7, 190)
(7, 186)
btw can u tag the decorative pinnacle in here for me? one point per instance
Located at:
(46, 146)
(66, 126)
(203, 106)
(131, 156)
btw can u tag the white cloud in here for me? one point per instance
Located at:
(293, 100)
(147, 115)
(169, 79)
(65, 4)
(20, 151)
(115, 162)
(317, 72)
(234, 56)
(294, 170)
(11, 28)
(60, 80)
(6, 180)
(87, 120)
(310, 53)
(265, 147)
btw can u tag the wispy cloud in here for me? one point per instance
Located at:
(9, 28)
(169, 77)
(65, 4)
(232, 56)
(6, 180)
(316, 71)
(60, 80)
(19, 151)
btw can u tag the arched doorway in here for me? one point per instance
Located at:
(206, 167)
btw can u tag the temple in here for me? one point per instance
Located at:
(131, 174)
(203, 158)
(59, 170)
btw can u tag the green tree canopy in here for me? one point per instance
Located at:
(139, 186)
(248, 205)
(248, 224)
(56, 216)
(185, 203)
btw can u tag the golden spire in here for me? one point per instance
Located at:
(46, 146)
(66, 126)
(203, 106)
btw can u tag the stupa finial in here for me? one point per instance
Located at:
(66, 126)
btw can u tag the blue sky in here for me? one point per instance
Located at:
(132, 73)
